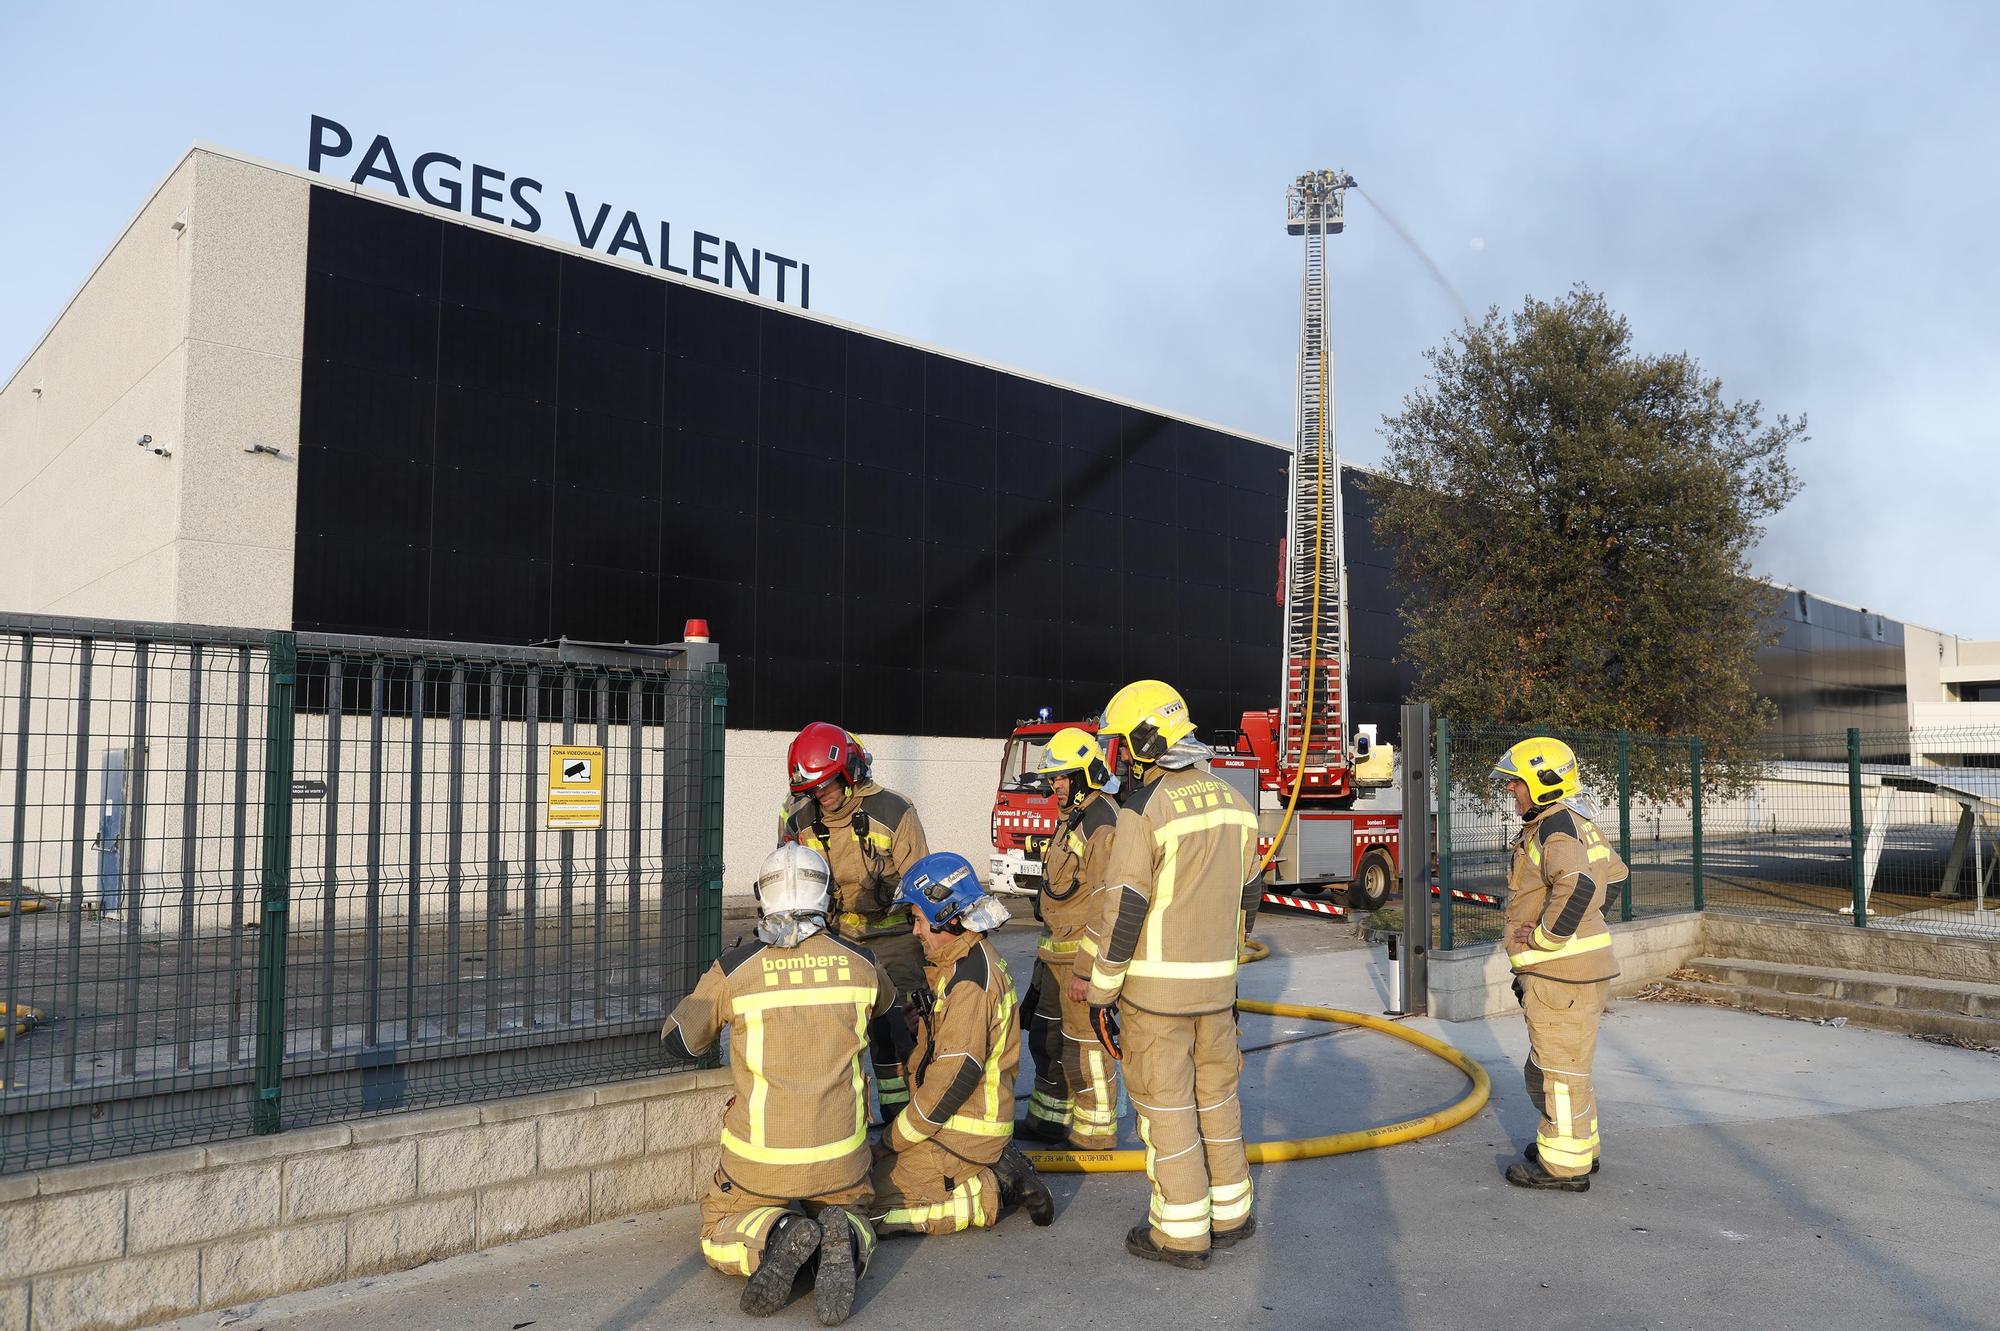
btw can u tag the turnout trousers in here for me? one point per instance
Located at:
(736, 1224)
(1181, 1075)
(902, 956)
(1075, 1091)
(928, 1190)
(1562, 1042)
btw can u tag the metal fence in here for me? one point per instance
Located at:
(1795, 827)
(258, 880)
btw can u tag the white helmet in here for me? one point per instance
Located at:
(794, 892)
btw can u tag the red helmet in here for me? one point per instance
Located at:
(822, 752)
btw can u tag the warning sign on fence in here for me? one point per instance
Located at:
(576, 786)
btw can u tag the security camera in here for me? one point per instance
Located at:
(146, 442)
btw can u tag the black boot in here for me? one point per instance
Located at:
(1229, 1238)
(1021, 1185)
(1532, 1174)
(1534, 1154)
(839, 1267)
(1035, 1130)
(793, 1240)
(1139, 1242)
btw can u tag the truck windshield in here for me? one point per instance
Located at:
(1023, 756)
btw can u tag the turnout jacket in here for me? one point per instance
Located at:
(798, 1021)
(869, 841)
(968, 1050)
(1556, 883)
(1072, 871)
(1170, 916)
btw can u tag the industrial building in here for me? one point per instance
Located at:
(282, 401)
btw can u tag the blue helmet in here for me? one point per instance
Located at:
(945, 888)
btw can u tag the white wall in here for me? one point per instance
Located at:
(190, 331)
(950, 781)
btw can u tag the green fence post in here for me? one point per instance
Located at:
(1694, 771)
(1625, 822)
(1444, 834)
(275, 918)
(1856, 834)
(717, 680)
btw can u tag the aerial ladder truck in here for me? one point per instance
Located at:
(1296, 762)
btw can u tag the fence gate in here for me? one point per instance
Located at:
(258, 880)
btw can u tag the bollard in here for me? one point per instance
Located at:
(1395, 982)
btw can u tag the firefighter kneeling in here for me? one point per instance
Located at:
(1561, 951)
(1167, 937)
(793, 1181)
(947, 1161)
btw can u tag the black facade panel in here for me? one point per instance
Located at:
(503, 443)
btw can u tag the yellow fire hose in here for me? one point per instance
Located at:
(17, 1020)
(1309, 1148)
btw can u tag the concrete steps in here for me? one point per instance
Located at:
(1958, 1009)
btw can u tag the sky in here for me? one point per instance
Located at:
(1800, 196)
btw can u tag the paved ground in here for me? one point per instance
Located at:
(1759, 1173)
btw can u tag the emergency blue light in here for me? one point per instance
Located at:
(1044, 714)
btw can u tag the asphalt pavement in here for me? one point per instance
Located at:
(1758, 1172)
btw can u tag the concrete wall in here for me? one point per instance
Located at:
(950, 781)
(189, 330)
(1472, 983)
(127, 1242)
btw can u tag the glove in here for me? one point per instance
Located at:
(1104, 1020)
(1520, 991)
(1031, 1002)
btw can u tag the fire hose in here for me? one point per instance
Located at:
(1309, 1148)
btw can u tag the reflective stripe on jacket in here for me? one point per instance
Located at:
(869, 841)
(1170, 916)
(798, 1029)
(968, 1052)
(1072, 871)
(1557, 883)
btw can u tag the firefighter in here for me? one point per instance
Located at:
(1164, 976)
(792, 1184)
(947, 1162)
(1560, 871)
(1075, 1097)
(871, 836)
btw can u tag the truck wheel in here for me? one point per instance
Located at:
(1372, 883)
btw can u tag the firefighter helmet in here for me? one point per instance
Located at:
(822, 752)
(945, 889)
(1073, 750)
(1153, 717)
(794, 892)
(1547, 766)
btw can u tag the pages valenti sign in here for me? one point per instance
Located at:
(523, 203)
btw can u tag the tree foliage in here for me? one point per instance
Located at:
(1573, 529)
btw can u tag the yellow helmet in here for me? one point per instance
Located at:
(1072, 749)
(1548, 766)
(1153, 717)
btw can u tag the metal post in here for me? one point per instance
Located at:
(1444, 834)
(267, 1114)
(1694, 772)
(1625, 822)
(1416, 858)
(714, 674)
(1856, 832)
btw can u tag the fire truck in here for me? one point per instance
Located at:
(1311, 781)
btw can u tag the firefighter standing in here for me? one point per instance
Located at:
(947, 1162)
(870, 836)
(793, 1179)
(1167, 937)
(1561, 952)
(1075, 1097)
